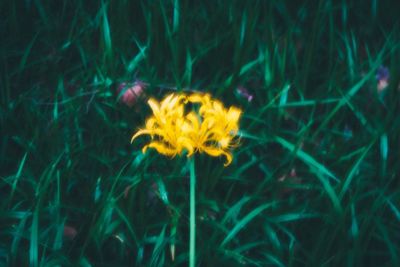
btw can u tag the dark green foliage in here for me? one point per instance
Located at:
(315, 181)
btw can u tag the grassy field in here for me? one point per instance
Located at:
(314, 182)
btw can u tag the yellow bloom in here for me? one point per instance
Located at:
(211, 130)
(165, 126)
(215, 135)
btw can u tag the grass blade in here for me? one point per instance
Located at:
(243, 222)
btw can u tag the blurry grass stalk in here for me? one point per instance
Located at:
(192, 244)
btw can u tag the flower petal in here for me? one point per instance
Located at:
(140, 132)
(198, 98)
(161, 148)
(215, 152)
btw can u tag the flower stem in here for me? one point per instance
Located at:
(192, 244)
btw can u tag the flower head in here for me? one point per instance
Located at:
(212, 129)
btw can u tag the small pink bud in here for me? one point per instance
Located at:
(129, 94)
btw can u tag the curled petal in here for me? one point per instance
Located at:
(161, 148)
(225, 142)
(177, 100)
(194, 121)
(187, 143)
(199, 98)
(140, 132)
(151, 123)
(216, 152)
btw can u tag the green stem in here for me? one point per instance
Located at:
(192, 244)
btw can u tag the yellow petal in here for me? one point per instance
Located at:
(150, 123)
(203, 99)
(215, 152)
(140, 132)
(225, 142)
(233, 114)
(218, 107)
(194, 120)
(197, 98)
(186, 143)
(166, 100)
(154, 105)
(161, 148)
(170, 102)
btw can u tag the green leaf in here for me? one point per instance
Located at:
(306, 158)
(243, 222)
(106, 31)
(354, 170)
(320, 171)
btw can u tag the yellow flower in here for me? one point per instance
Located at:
(165, 126)
(211, 130)
(215, 135)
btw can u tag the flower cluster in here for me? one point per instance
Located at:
(211, 128)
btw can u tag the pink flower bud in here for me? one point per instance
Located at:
(130, 93)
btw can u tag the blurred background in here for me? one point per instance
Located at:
(314, 182)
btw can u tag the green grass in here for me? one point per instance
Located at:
(66, 157)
